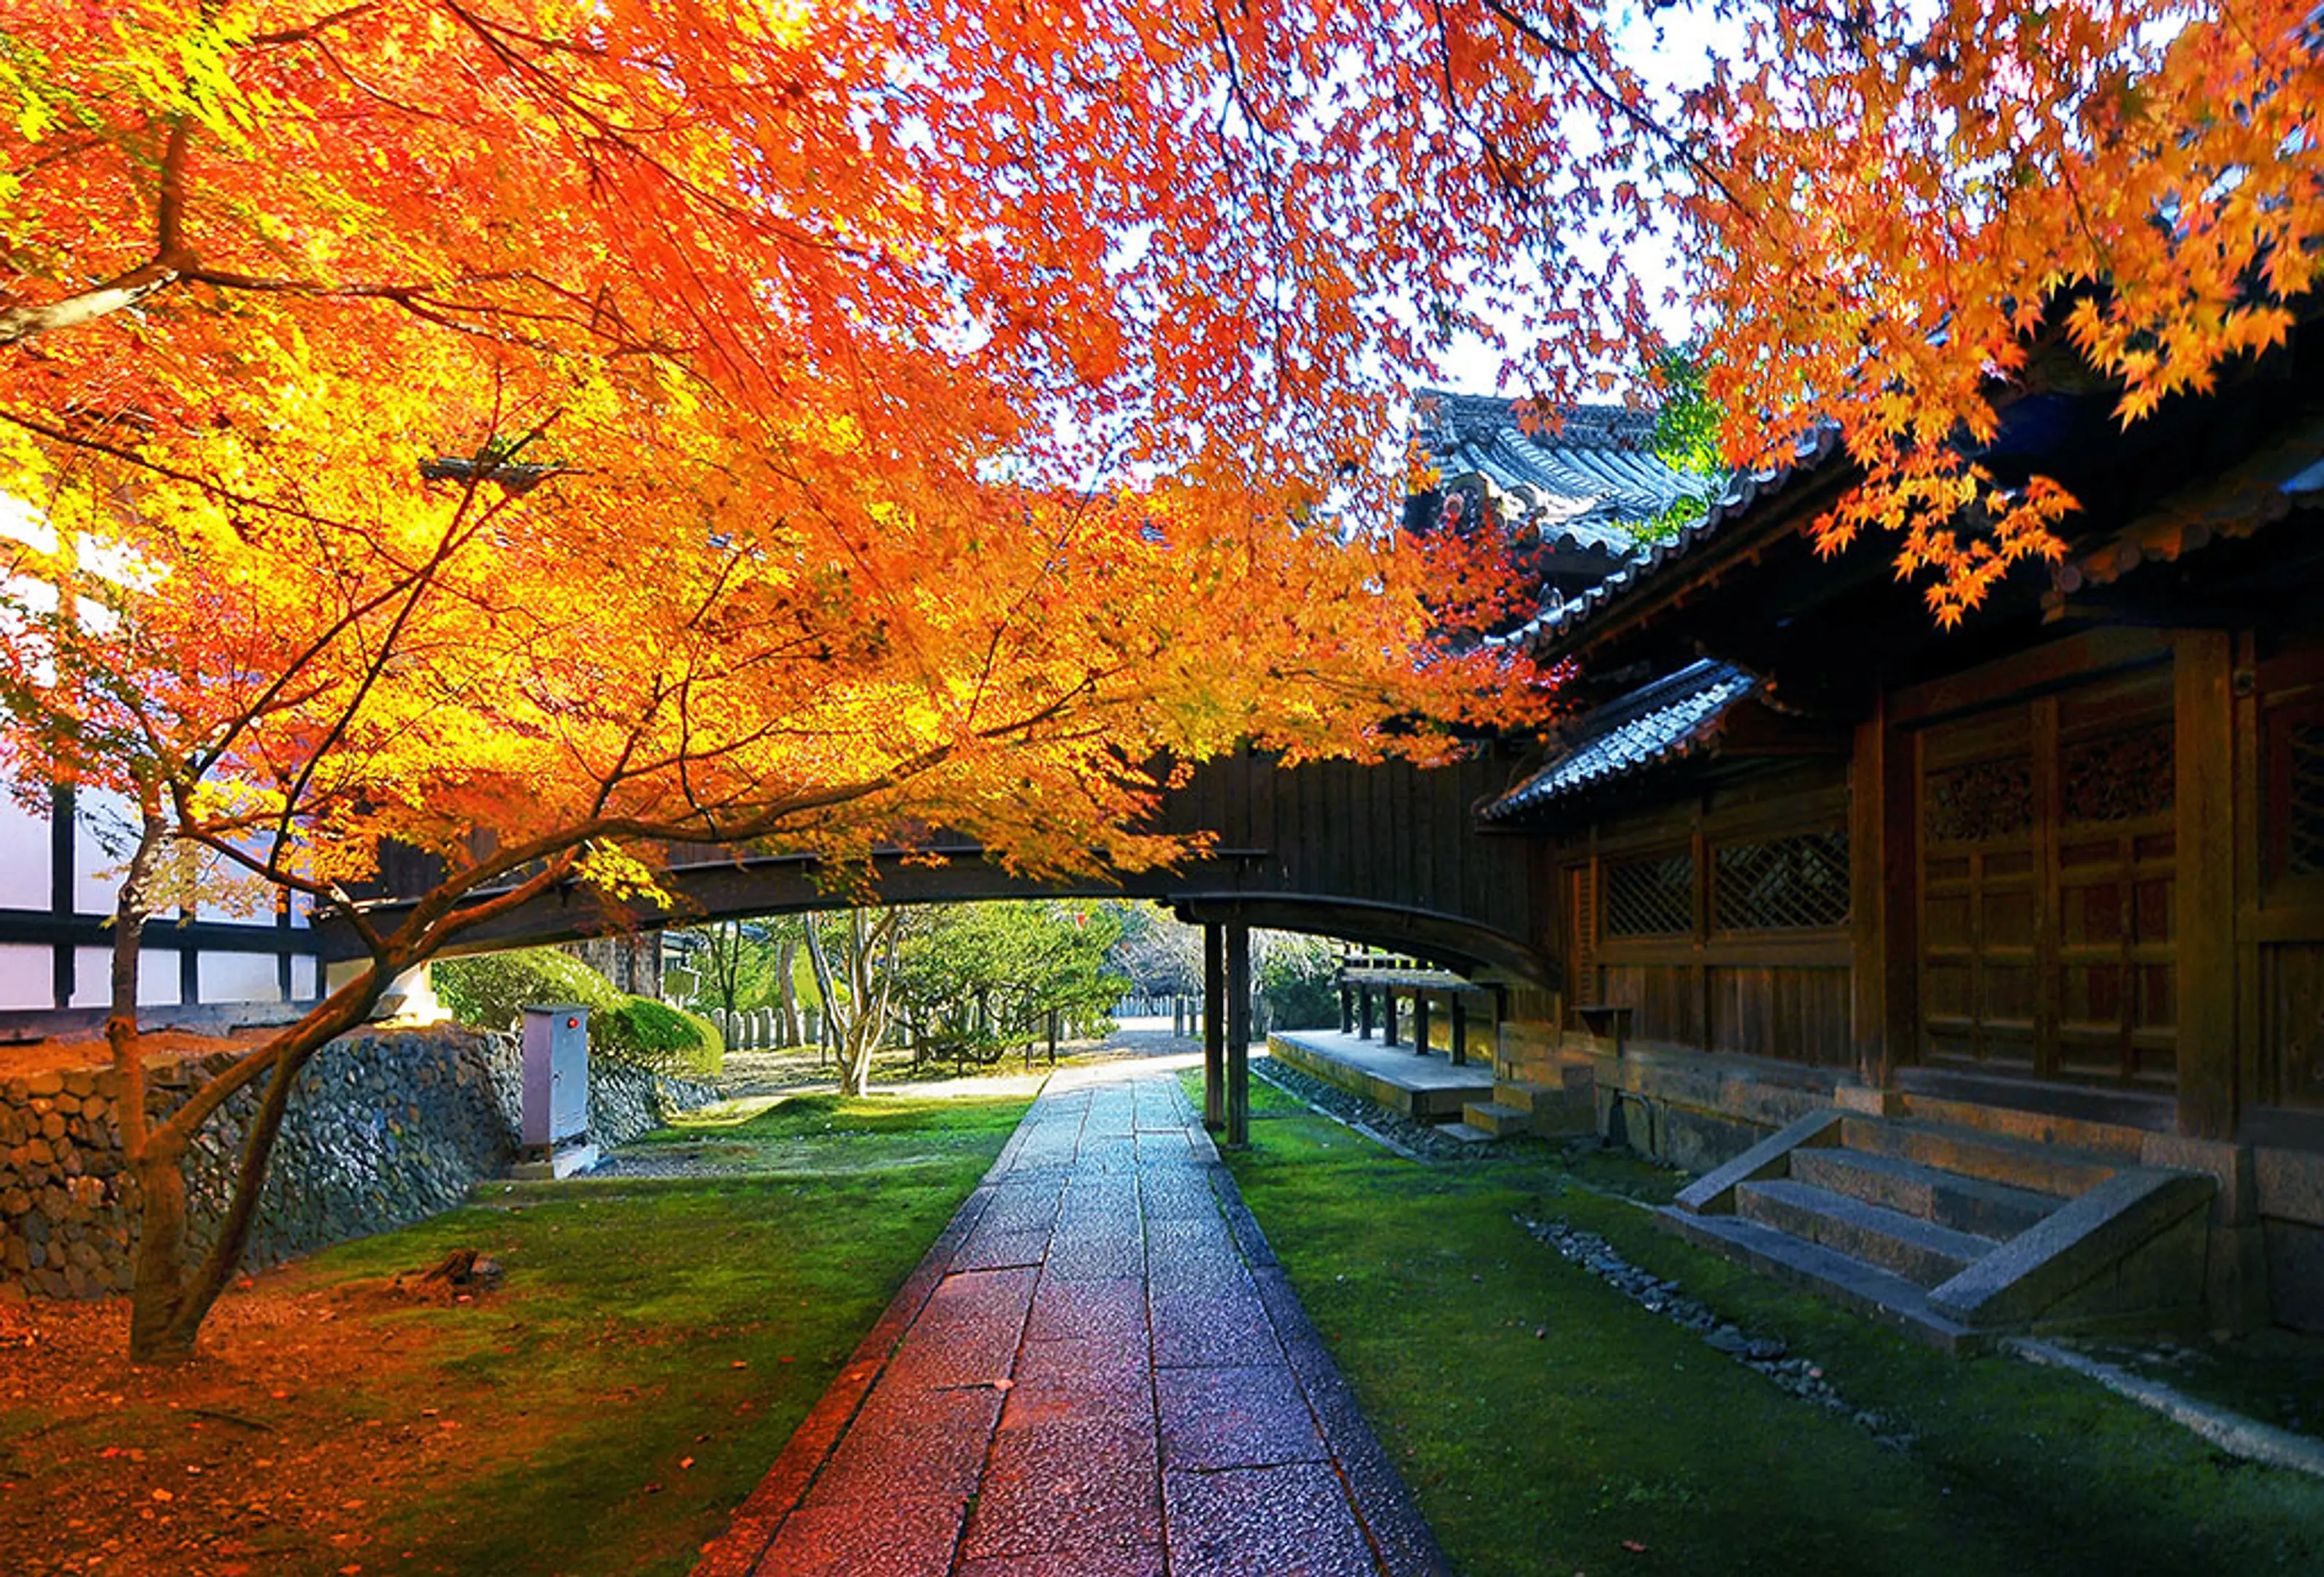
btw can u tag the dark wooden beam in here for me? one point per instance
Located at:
(2204, 928)
(1214, 1028)
(1238, 1069)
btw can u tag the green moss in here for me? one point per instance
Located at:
(1613, 1428)
(645, 1323)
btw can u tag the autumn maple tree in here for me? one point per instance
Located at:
(532, 436)
(532, 432)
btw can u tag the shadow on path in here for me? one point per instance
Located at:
(1098, 1369)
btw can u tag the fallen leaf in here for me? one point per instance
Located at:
(685, 1462)
(164, 1495)
(1634, 1546)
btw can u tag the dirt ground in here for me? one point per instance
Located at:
(258, 1456)
(18, 1059)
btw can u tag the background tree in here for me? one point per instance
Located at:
(726, 965)
(854, 957)
(1160, 954)
(1296, 977)
(992, 975)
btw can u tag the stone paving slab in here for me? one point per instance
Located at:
(1098, 1371)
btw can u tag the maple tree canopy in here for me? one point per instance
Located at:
(782, 419)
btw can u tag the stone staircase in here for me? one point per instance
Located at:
(1958, 1223)
(1533, 1106)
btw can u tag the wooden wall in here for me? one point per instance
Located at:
(1725, 979)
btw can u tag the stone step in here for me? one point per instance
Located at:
(1967, 1204)
(1920, 1252)
(1876, 1294)
(1466, 1133)
(1498, 1117)
(2015, 1163)
(1528, 1095)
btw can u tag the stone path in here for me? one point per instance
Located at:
(1098, 1371)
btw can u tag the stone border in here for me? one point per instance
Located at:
(2231, 1432)
(1399, 1536)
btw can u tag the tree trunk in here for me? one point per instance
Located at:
(159, 1270)
(787, 989)
(166, 1306)
(821, 962)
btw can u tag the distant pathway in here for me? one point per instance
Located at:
(1098, 1371)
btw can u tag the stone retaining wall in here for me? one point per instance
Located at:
(384, 1127)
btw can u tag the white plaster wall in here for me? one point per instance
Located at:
(23, 857)
(158, 981)
(238, 977)
(248, 902)
(302, 979)
(103, 822)
(27, 975)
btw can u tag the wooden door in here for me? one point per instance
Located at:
(2047, 871)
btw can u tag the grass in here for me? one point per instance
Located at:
(653, 1345)
(1548, 1425)
(706, 1316)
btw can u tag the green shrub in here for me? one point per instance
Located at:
(491, 991)
(654, 1035)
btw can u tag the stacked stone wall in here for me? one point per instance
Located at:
(383, 1127)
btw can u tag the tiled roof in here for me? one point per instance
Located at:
(1665, 720)
(1742, 491)
(1576, 485)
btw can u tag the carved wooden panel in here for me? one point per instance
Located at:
(1978, 802)
(2117, 777)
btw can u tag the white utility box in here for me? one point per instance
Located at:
(556, 1125)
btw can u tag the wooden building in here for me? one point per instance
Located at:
(2055, 878)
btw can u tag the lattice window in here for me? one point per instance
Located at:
(2304, 801)
(1782, 884)
(1654, 896)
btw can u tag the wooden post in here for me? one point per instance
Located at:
(2204, 928)
(1364, 1032)
(1347, 1011)
(1459, 1034)
(1387, 1020)
(1883, 861)
(1052, 1037)
(1420, 1023)
(1214, 1028)
(1238, 1068)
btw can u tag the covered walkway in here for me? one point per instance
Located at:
(1098, 1369)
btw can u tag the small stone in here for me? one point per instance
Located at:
(1727, 1339)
